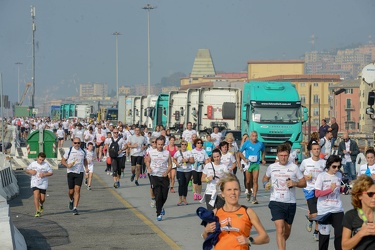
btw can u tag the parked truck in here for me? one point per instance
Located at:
(274, 110)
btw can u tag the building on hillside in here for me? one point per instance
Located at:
(318, 86)
(267, 68)
(345, 105)
(93, 89)
(123, 90)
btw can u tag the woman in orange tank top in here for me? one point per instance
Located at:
(235, 220)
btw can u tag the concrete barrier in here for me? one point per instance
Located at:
(8, 181)
(10, 237)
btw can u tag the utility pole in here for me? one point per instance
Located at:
(33, 55)
(116, 34)
(148, 7)
(18, 92)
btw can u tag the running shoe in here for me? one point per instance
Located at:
(86, 182)
(162, 212)
(108, 172)
(152, 203)
(71, 204)
(185, 203)
(246, 191)
(195, 197)
(132, 178)
(159, 218)
(140, 175)
(144, 175)
(309, 225)
(316, 236)
(115, 185)
(136, 182)
(179, 203)
(248, 196)
(254, 201)
(118, 184)
(75, 211)
(88, 188)
(41, 208)
(37, 214)
(199, 197)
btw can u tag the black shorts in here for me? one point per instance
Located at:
(61, 139)
(42, 191)
(312, 205)
(66, 131)
(22, 129)
(116, 165)
(283, 211)
(74, 180)
(136, 160)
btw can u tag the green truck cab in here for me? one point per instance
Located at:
(274, 110)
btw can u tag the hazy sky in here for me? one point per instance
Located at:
(75, 42)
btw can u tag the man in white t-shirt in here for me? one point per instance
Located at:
(282, 178)
(75, 161)
(188, 132)
(137, 144)
(40, 171)
(216, 137)
(311, 168)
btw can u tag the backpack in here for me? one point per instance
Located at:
(114, 148)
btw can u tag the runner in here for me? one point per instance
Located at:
(75, 161)
(282, 178)
(90, 162)
(160, 166)
(253, 148)
(137, 143)
(200, 159)
(40, 171)
(183, 159)
(311, 168)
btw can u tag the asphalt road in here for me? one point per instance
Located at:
(123, 219)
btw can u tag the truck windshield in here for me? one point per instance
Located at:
(276, 115)
(111, 114)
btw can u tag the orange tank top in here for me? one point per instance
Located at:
(233, 224)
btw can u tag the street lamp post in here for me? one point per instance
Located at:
(18, 92)
(116, 34)
(148, 7)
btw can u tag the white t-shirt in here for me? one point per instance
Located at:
(159, 162)
(313, 168)
(65, 124)
(363, 168)
(89, 137)
(199, 159)
(140, 141)
(332, 202)
(216, 138)
(210, 169)
(36, 181)
(78, 133)
(186, 166)
(60, 133)
(187, 134)
(77, 156)
(90, 160)
(279, 175)
(228, 160)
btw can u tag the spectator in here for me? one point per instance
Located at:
(323, 129)
(334, 130)
(348, 150)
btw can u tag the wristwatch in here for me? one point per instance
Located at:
(251, 241)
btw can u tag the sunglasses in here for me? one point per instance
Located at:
(153, 141)
(115, 132)
(76, 142)
(199, 143)
(183, 144)
(335, 166)
(370, 194)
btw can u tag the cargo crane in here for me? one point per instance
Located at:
(28, 85)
